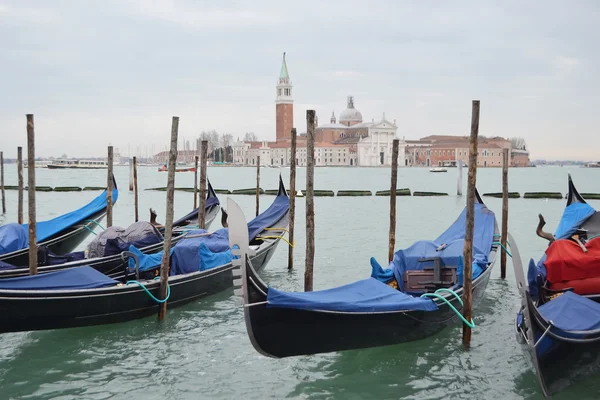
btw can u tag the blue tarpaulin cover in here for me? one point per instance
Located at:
(84, 277)
(573, 217)
(448, 246)
(47, 229)
(186, 253)
(367, 295)
(572, 312)
(147, 261)
(13, 237)
(210, 259)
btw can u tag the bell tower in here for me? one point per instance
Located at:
(284, 105)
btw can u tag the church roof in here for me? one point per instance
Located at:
(284, 70)
(350, 114)
(333, 126)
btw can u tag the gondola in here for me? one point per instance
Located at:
(64, 233)
(83, 296)
(115, 265)
(558, 323)
(385, 309)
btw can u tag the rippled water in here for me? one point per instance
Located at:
(202, 349)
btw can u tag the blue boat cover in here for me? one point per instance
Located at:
(448, 246)
(13, 237)
(117, 245)
(573, 217)
(572, 312)
(4, 266)
(84, 277)
(267, 218)
(367, 295)
(210, 259)
(147, 261)
(532, 272)
(47, 229)
(193, 215)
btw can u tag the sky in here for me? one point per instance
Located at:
(115, 72)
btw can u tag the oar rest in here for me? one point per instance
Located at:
(430, 278)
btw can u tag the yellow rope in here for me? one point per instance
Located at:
(276, 237)
(276, 229)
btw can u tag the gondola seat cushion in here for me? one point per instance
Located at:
(566, 261)
(572, 312)
(579, 286)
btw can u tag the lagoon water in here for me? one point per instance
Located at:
(202, 350)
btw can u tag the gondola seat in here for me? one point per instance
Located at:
(567, 266)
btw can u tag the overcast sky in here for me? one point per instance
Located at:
(115, 71)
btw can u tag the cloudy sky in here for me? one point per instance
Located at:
(115, 71)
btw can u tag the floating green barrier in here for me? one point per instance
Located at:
(511, 195)
(222, 191)
(399, 192)
(591, 196)
(429, 194)
(10, 187)
(543, 195)
(320, 193)
(94, 188)
(247, 191)
(184, 189)
(161, 189)
(67, 189)
(41, 189)
(271, 192)
(354, 193)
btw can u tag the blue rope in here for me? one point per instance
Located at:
(86, 227)
(439, 296)
(504, 248)
(95, 222)
(140, 284)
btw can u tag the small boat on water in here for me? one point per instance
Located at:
(559, 320)
(61, 234)
(111, 262)
(438, 169)
(418, 296)
(163, 168)
(77, 164)
(200, 265)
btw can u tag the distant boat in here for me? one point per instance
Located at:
(78, 164)
(438, 169)
(163, 168)
(299, 193)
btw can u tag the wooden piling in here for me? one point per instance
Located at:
(196, 182)
(109, 186)
(292, 199)
(257, 184)
(310, 205)
(33, 256)
(20, 185)
(2, 182)
(202, 202)
(135, 189)
(131, 184)
(164, 266)
(505, 161)
(459, 183)
(393, 199)
(468, 249)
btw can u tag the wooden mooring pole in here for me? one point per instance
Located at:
(459, 183)
(131, 184)
(393, 199)
(20, 184)
(468, 249)
(109, 186)
(164, 266)
(257, 184)
(135, 189)
(2, 182)
(505, 161)
(310, 205)
(33, 255)
(196, 182)
(202, 202)
(292, 200)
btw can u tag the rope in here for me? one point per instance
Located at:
(504, 248)
(499, 235)
(95, 222)
(86, 227)
(439, 296)
(276, 237)
(276, 229)
(140, 284)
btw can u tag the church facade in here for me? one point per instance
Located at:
(347, 142)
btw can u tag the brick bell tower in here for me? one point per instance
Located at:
(284, 105)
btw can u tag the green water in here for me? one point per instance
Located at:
(202, 349)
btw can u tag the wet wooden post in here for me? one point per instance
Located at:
(2, 182)
(135, 189)
(468, 249)
(393, 199)
(310, 206)
(257, 183)
(33, 256)
(505, 161)
(292, 199)
(164, 266)
(131, 184)
(109, 186)
(459, 183)
(196, 182)
(20, 184)
(202, 202)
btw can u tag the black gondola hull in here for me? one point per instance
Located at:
(284, 332)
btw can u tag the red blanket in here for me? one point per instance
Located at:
(566, 261)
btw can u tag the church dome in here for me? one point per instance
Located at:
(350, 114)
